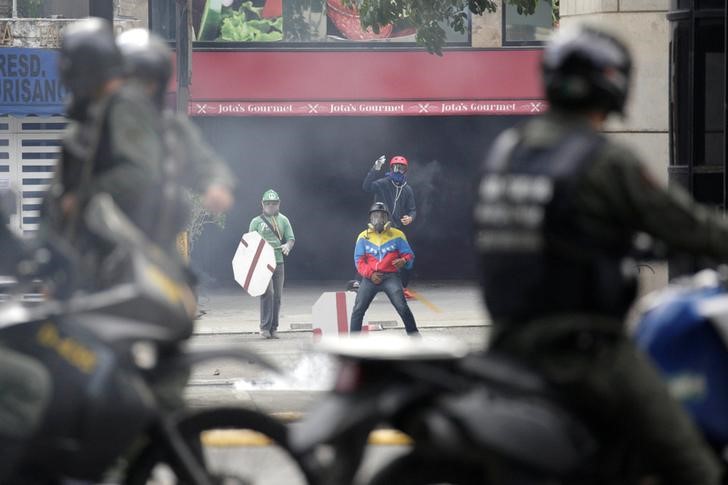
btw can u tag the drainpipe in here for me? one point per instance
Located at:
(184, 53)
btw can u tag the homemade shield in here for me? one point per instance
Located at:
(254, 263)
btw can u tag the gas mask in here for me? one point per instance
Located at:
(379, 221)
(398, 174)
(271, 208)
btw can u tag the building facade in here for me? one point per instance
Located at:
(303, 101)
(32, 97)
(644, 27)
(300, 99)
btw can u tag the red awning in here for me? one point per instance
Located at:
(365, 83)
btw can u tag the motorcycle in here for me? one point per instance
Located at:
(684, 329)
(479, 418)
(473, 418)
(108, 354)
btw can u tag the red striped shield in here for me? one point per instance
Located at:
(254, 263)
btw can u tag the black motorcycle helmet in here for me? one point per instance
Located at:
(89, 57)
(585, 69)
(146, 58)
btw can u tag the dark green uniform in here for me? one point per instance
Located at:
(115, 149)
(190, 165)
(556, 294)
(198, 164)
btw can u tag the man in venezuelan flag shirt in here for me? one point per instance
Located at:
(381, 252)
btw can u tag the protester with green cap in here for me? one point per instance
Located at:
(276, 230)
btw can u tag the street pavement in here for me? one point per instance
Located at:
(229, 316)
(441, 304)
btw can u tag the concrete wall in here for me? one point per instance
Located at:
(487, 29)
(45, 32)
(136, 11)
(643, 26)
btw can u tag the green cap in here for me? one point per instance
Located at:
(271, 195)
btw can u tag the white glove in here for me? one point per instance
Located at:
(286, 248)
(379, 162)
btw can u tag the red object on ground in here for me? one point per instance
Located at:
(408, 294)
(342, 317)
(272, 9)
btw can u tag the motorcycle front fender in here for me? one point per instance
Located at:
(336, 416)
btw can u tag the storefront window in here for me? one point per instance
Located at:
(289, 22)
(709, 92)
(527, 29)
(69, 9)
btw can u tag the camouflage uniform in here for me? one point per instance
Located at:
(581, 347)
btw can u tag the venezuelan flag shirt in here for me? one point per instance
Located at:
(375, 251)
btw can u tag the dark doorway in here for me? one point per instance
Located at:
(318, 165)
(698, 112)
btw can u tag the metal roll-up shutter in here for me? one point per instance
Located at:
(38, 142)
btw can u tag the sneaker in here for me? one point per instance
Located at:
(408, 294)
(352, 285)
(274, 334)
(266, 334)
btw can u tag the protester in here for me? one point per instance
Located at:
(380, 254)
(396, 193)
(277, 231)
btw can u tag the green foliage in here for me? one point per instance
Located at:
(303, 19)
(247, 25)
(199, 218)
(428, 16)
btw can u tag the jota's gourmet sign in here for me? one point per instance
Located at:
(29, 82)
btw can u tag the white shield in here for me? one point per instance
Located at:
(254, 263)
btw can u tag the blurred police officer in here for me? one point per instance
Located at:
(113, 144)
(188, 160)
(559, 206)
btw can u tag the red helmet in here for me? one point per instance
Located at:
(399, 159)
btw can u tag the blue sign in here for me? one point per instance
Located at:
(29, 82)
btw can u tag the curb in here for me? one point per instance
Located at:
(248, 332)
(243, 438)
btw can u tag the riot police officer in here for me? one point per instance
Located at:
(558, 207)
(113, 144)
(188, 160)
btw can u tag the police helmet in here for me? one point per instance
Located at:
(146, 57)
(89, 56)
(585, 69)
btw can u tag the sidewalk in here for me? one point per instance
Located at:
(439, 304)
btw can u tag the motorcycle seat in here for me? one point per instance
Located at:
(504, 372)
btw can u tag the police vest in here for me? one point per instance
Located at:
(536, 258)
